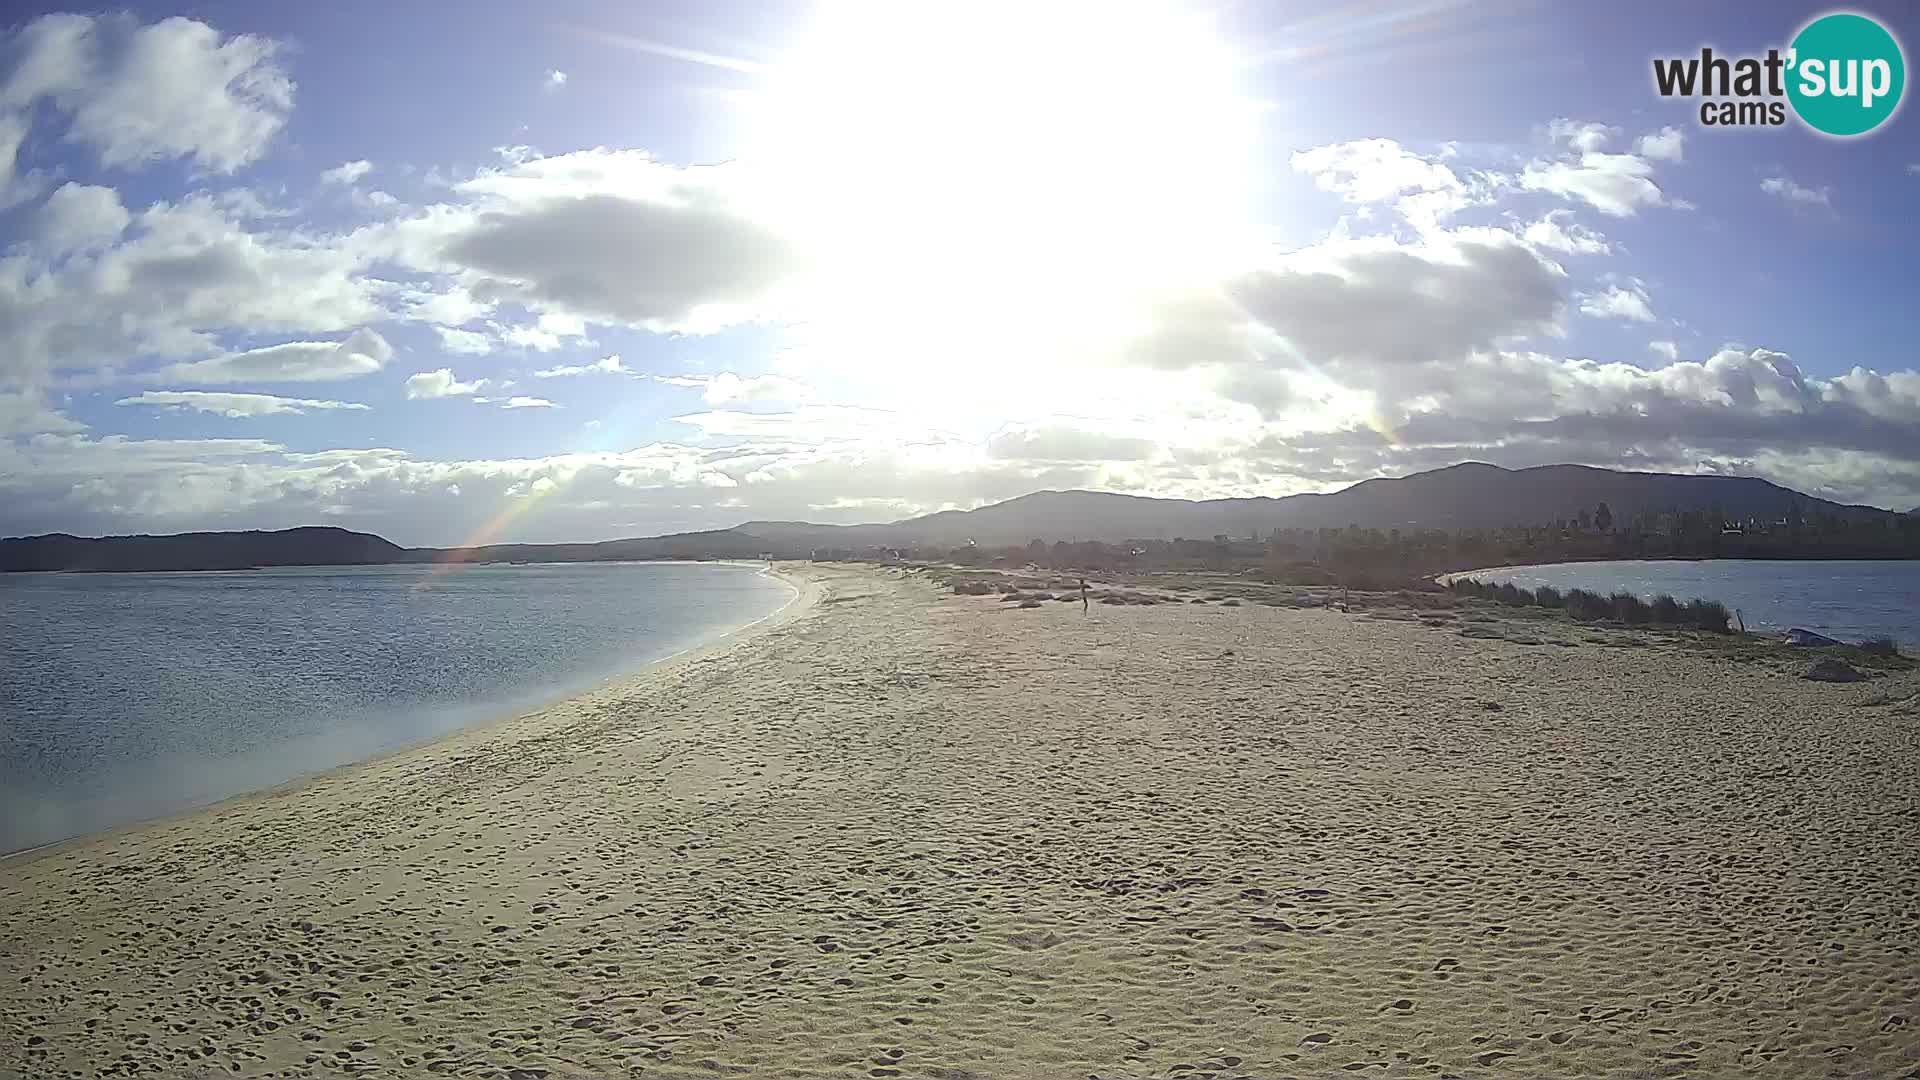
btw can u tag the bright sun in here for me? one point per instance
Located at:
(1026, 166)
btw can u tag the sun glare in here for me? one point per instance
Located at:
(1018, 167)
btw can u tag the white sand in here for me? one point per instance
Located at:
(900, 833)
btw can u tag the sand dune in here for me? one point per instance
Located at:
(909, 834)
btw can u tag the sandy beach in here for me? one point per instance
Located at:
(898, 832)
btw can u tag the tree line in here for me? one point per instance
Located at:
(1392, 558)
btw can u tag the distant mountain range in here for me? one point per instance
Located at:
(309, 546)
(1467, 496)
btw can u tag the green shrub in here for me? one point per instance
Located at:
(1630, 609)
(1708, 615)
(1588, 606)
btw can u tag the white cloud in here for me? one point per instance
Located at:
(1617, 185)
(1614, 302)
(1425, 191)
(1583, 137)
(100, 486)
(1373, 313)
(25, 413)
(185, 276)
(79, 217)
(1213, 378)
(232, 405)
(13, 132)
(1614, 184)
(1062, 442)
(1667, 144)
(1559, 232)
(728, 387)
(440, 383)
(606, 365)
(879, 429)
(1373, 170)
(556, 78)
(453, 307)
(363, 352)
(465, 342)
(138, 93)
(604, 235)
(1786, 189)
(530, 337)
(347, 172)
(1853, 436)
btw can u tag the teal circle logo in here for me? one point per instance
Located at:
(1845, 73)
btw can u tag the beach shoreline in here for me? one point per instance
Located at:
(802, 597)
(902, 832)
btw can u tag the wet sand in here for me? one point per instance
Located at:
(903, 833)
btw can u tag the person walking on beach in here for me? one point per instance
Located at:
(1083, 596)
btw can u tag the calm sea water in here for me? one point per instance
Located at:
(1851, 601)
(126, 696)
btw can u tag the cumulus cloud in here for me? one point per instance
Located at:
(1614, 184)
(556, 78)
(79, 217)
(347, 172)
(184, 276)
(1372, 310)
(1261, 373)
(232, 405)
(609, 236)
(728, 387)
(13, 132)
(1617, 185)
(1373, 170)
(362, 352)
(1559, 232)
(440, 383)
(1585, 137)
(114, 484)
(454, 306)
(1667, 144)
(26, 413)
(1425, 190)
(1065, 442)
(1783, 188)
(1629, 302)
(606, 365)
(881, 429)
(1361, 316)
(138, 93)
(467, 342)
(1742, 410)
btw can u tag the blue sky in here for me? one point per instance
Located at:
(570, 271)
